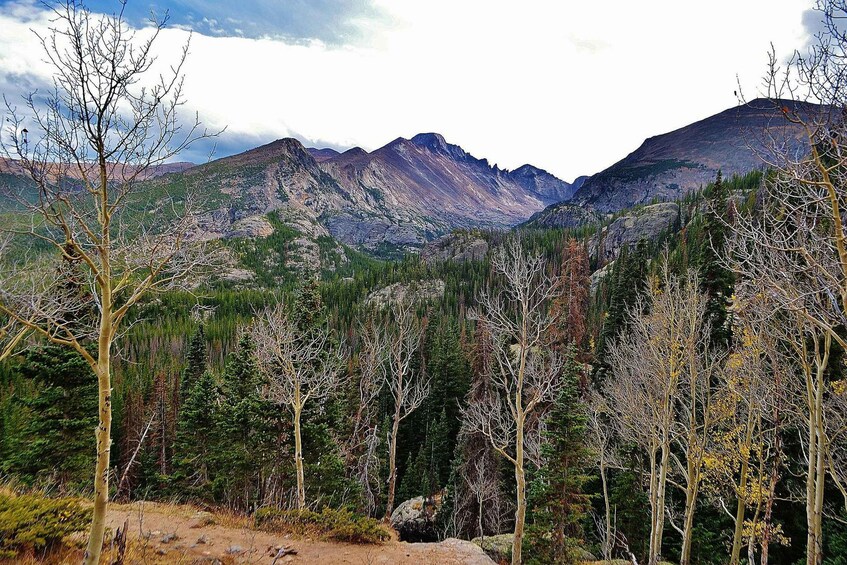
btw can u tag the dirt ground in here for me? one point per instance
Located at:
(159, 533)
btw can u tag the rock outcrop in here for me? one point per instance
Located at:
(563, 215)
(647, 223)
(418, 291)
(457, 246)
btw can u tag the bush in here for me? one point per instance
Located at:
(337, 525)
(32, 523)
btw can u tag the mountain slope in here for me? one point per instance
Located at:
(433, 186)
(668, 166)
(397, 197)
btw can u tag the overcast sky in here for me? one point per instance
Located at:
(568, 86)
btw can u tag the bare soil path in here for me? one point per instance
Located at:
(162, 533)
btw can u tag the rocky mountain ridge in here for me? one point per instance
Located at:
(398, 197)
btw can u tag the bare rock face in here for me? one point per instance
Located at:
(647, 223)
(563, 215)
(459, 247)
(418, 291)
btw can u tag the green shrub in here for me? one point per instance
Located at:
(33, 523)
(338, 525)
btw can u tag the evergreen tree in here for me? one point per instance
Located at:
(197, 440)
(557, 498)
(196, 362)
(248, 428)
(56, 439)
(716, 281)
(627, 281)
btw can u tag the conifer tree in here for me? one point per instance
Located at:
(247, 429)
(196, 362)
(556, 494)
(56, 440)
(197, 440)
(716, 280)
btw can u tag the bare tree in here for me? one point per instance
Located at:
(480, 477)
(795, 244)
(86, 144)
(526, 372)
(301, 365)
(401, 340)
(360, 451)
(744, 451)
(659, 396)
(600, 442)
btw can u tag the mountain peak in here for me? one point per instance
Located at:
(434, 141)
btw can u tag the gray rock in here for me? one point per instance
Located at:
(469, 552)
(563, 215)
(646, 223)
(497, 547)
(415, 519)
(418, 291)
(458, 246)
(201, 519)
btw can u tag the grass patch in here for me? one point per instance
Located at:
(328, 524)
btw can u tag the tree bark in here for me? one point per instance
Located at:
(392, 464)
(741, 508)
(298, 460)
(520, 480)
(103, 433)
(607, 543)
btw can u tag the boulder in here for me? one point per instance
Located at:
(415, 519)
(468, 552)
(497, 547)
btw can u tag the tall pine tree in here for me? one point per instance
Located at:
(559, 504)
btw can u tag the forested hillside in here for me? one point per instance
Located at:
(657, 380)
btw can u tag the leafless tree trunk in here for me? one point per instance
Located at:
(361, 448)
(659, 395)
(526, 371)
(89, 141)
(795, 246)
(301, 365)
(600, 442)
(402, 338)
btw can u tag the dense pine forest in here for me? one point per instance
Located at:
(196, 418)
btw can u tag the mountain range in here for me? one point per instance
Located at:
(411, 191)
(398, 196)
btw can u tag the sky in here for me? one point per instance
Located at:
(569, 86)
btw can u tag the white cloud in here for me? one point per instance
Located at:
(567, 86)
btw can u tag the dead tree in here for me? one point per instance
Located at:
(659, 396)
(90, 140)
(301, 365)
(360, 451)
(526, 371)
(795, 244)
(401, 339)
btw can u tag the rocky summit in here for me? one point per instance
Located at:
(399, 196)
